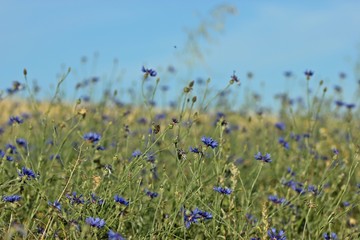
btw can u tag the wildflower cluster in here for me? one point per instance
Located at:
(195, 216)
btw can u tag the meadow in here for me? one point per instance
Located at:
(197, 169)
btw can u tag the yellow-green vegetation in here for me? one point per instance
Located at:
(99, 170)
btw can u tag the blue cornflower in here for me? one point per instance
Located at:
(264, 158)
(55, 156)
(297, 186)
(308, 74)
(289, 170)
(96, 199)
(85, 98)
(95, 222)
(21, 142)
(151, 194)
(114, 235)
(160, 116)
(75, 199)
(274, 235)
(121, 200)
(142, 120)
(10, 149)
(136, 153)
(56, 204)
(330, 236)
(346, 204)
(276, 200)
(337, 88)
(11, 198)
(150, 158)
(350, 105)
(26, 172)
(239, 161)
(280, 125)
(251, 218)
(335, 151)
(226, 191)
(100, 148)
(339, 103)
(306, 135)
(2, 155)
(92, 137)
(235, 78)
(149, 71)
(208, 141)
(313, 189)
(296, 137)
(15, 119)
(194, 150)
(194, 216)
(284, 143)
(204, 215)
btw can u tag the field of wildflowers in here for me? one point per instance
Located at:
(195, 170)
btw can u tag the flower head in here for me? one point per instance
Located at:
(275, 235)
(308, 74)
(276, 200)
(226, 191)
(15, 119)
(136, 153)
(208, 141)
(194, 150)
(284, 143)
(234, 78)
(280, 125)
(114, 235)
(56, 204)
(251, 218)
(95, 222)
(330, 236)
(151, 194)
(350, 105)
(194, 216)
(121, 200)
(10, 149)
(296, 186)
(21, 142)
(75, 199)
(148, 71)
(339, 103)
(150, 158)
(11, 198)
(92, 137)
(313, 189)
(26, 172)
(265, 158)
(96, 199)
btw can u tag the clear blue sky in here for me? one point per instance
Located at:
(265, 37)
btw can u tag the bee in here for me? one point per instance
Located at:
(156, 128)
(181, 154)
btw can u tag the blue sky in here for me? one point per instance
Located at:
(265, 37)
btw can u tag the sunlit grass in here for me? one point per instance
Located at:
(147, 172)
